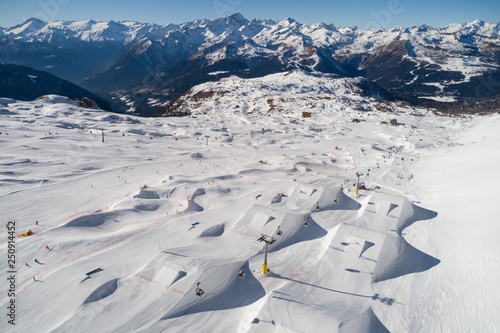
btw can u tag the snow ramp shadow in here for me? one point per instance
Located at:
(367, 322)
(193, 206)
(93, 220)
(103, 291)
(414, 213)
(223, 290)
(398, 258)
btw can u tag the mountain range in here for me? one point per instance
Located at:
(26, 84)
(143, 68)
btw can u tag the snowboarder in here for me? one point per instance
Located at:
(279, 232)
(306, 224)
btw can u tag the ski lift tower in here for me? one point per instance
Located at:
(358, 174)
(269, 240)
(102, 131)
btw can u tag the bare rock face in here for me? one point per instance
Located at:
(86, 102)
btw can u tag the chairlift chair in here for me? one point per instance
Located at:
(199, 291)
(242, 273)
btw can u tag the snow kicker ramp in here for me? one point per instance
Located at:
(223, 290)
(390, 215)
(262, 220)
(310, 196)
(336, 291)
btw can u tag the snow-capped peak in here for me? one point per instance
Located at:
(28, 26)
(475, 27)
(237, 19)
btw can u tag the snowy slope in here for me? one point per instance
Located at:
(285, 94)
(413, 252)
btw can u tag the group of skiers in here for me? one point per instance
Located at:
(36, 260)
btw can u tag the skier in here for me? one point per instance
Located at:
(279, 232)
(47, 247)
(36, 223)
(37, 261)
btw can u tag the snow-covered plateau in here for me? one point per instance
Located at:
(129, 214)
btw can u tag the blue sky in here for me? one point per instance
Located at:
(363, 13)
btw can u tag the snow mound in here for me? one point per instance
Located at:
(94, 220)
(215, 231)
(197, 155)
(147, 194)
(149, 207)
(103, 291)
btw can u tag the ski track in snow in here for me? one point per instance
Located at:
(417, 254)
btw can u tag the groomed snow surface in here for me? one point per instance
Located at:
(157, 209)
